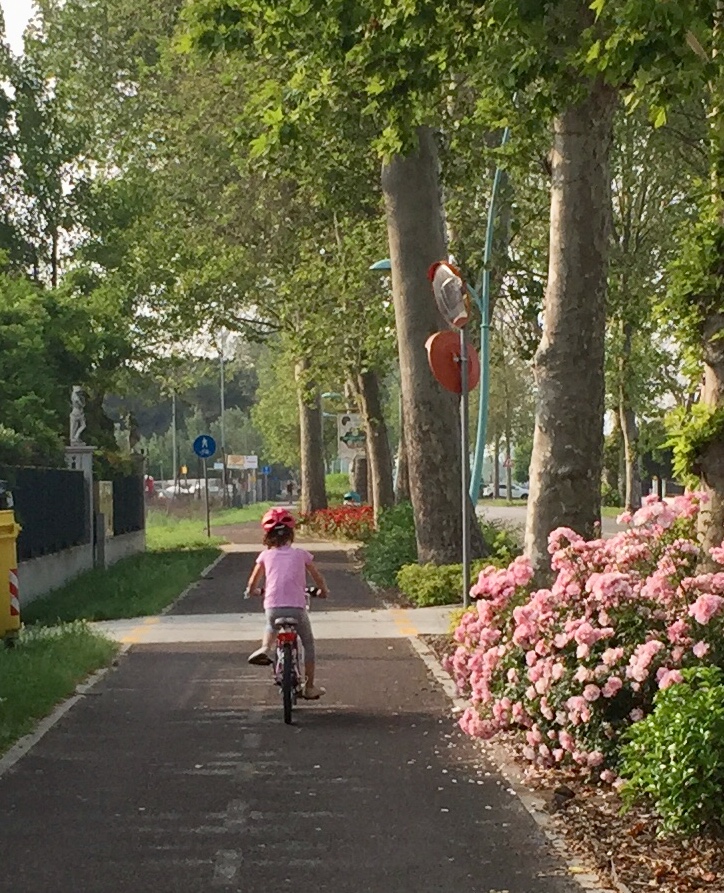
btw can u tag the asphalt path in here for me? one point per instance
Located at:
(177, 773)
(514, 515)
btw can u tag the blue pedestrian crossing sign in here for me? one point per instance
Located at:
(266, 469)
(204, 446)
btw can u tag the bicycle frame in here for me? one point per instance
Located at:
(288, 667)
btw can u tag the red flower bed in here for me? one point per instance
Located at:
(347, 522)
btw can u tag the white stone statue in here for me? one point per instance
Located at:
(77, 415)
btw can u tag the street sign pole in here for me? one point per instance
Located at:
(465, 465)
(455, 366)
(206, 497)
(204, 447)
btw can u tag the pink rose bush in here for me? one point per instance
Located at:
(571, 667)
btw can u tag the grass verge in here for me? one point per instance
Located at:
(134, 587)
(43, 669)
(171, 531)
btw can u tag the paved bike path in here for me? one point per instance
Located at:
(177, 774)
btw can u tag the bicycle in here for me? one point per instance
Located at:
(287, 669)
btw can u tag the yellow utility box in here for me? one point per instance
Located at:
(9, 595)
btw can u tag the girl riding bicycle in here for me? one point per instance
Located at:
(285, 569)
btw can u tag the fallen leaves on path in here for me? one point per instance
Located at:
(625, 848)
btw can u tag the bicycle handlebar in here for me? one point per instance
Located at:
(311, 591)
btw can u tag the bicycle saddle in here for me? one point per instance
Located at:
(285, 621)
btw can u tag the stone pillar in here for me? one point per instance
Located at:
(80, 458)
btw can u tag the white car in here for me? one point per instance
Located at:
(182, 488)
(518, 491)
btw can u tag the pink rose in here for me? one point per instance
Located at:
(666, 678)
(701, 649)
(612, 687)
(591, 693)
(706, 607)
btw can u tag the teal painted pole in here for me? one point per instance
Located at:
(476, 475)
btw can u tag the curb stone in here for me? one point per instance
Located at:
(27, 742)
(585, 876)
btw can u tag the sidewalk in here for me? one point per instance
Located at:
(176, 773)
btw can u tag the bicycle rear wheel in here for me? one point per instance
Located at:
(287, 681)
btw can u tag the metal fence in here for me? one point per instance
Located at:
(129, 510)
(50, 506)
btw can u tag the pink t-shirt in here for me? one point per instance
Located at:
(286, 576)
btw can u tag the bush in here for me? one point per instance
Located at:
(391, 546)
(610, 496)
(570, 668)
(675, 757)
(503, 542)
(435, 584)
(336, 486)
(349, 522)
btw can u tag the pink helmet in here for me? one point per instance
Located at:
(278, 517)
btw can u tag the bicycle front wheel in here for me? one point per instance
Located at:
(287, 681)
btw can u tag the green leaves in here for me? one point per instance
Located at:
(674, 758)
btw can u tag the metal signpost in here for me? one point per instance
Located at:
(266, 471)
(451, 297)
(205, 448)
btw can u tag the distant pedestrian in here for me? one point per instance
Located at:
(290, 491)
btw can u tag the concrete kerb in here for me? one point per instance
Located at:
(586, 877)
(27, 742)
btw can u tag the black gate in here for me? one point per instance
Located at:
(129, 509)
(50, 506)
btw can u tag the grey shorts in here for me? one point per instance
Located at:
(304, 627)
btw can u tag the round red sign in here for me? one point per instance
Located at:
(443, 355)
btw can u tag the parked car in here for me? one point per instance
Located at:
(518, 491)
(181, 489)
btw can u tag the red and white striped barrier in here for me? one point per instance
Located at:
(14, 594)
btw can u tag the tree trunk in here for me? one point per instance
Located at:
(411, 186)
(565, 483)
(378, 443)
(630, 432)
(611, 469)
(711, 456)
(629, 427)
(508, 467)
(710, 459)
(313, 489)
(402, 484)
(496, 465)
(54, 257)
(359, 477)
